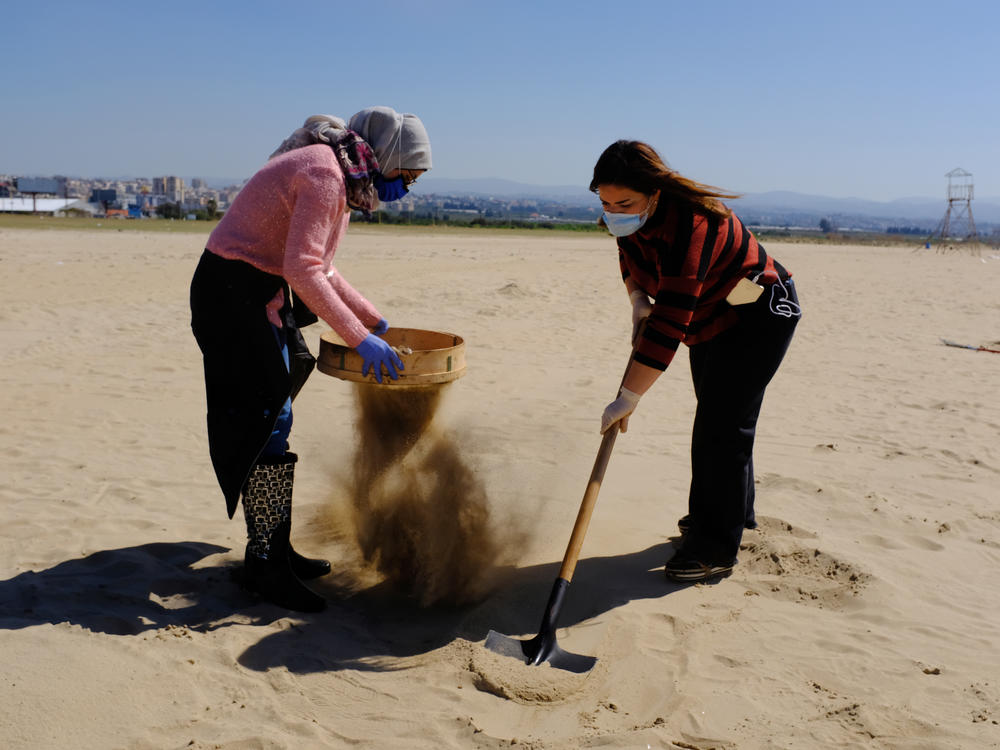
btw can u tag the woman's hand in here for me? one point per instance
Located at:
(375, 352)
(381, 327)
(618, 411)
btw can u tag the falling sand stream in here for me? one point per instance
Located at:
(420, 512)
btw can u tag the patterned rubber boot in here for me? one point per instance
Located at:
(307, 568)
(267, 506)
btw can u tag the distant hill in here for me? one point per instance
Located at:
(901, 209)
(218, 183)
(494, 186)
(780, 206)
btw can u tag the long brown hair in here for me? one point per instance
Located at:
(636, 166)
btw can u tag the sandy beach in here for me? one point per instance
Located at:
(864, 612)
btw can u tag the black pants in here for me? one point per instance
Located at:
(730, 373)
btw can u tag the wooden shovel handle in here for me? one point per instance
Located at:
(594, 485)
(587, 505)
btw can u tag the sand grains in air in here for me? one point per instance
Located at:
(420, 511)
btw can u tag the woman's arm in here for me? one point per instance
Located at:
(640, 378)
(359, 304)
(318, 215)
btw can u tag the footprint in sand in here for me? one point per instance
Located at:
(781, 563)
(512, 290)
(984, 703)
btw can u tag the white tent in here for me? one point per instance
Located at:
(27, 205)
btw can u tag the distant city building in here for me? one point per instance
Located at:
(105, 196)
(198, 184)
(172, 187)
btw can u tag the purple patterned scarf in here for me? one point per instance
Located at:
(358, 162)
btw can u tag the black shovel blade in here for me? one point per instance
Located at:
(541, 648)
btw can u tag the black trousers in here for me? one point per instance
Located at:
(730, 373)
(246, 378)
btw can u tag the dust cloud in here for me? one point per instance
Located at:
(420, 512)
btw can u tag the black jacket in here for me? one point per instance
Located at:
(246, 382)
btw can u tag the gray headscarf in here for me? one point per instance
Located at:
(399, 140)
(355, 156)
(316, 129)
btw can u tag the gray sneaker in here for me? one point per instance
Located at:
(687, 569)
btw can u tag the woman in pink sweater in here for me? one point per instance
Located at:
(266, 272)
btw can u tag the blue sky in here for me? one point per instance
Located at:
(863, 99)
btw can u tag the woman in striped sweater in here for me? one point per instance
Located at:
(696, 274)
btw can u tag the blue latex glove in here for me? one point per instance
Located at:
(381, 327)
(375, 352)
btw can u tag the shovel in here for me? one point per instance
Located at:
(543, 647)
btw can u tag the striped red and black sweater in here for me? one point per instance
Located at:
(688, 262)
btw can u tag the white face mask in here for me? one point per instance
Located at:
(622, 225)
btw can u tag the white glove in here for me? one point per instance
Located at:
(641, 308)
(618, 411)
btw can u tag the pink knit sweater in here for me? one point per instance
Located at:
(288, 220)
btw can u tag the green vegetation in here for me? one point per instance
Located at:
(88, 223)
(483, 222)
(816, 237)
(175, 211)
(426, 224)
(173, 224)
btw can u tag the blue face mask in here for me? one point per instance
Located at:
(622, 225)
(389, 190)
